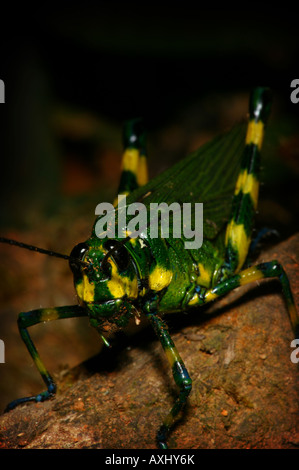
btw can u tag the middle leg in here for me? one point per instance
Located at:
(255, 273)
(180, 375)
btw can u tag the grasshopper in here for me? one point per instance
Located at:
(124, 277)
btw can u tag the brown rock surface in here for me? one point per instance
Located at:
(245, 387)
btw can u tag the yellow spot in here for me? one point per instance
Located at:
(204, 278)
(159, 278)
(116, 288)
(255, 133)
(240, 181)
(119, 198)
(49, 314)
(130, 160)
(85, 290)
(143, 292)
(142, 173)
(141, 242)
(137, 318)
(119, 286)
(249, 184)
(194, 300)
(250, 275)
(252, 187)
(128, 233)
(235, 233)
(172, 355)
(209, 296)
(40, 366)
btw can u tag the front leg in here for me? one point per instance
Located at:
(180, 375)
(27, 319)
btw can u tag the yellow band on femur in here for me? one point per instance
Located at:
(131, 160)
(255, 133)
(142, 173)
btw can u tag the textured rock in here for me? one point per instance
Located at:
(245, 387)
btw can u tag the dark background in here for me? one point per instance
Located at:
(72, 75)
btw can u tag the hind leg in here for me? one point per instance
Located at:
(134, 162)
(244, 204)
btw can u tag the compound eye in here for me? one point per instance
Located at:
(118, 252)
(76, 255)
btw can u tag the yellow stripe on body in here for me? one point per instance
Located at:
(193, 301)
(235, 233)
(85, 290)
(255, 133)
(204, 278)
(160, 278)
(119, 286)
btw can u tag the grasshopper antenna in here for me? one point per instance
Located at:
(9, 241)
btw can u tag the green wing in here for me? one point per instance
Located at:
(208, 175)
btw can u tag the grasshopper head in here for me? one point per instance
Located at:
(106, 283)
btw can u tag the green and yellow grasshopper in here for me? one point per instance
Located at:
(125, 277)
